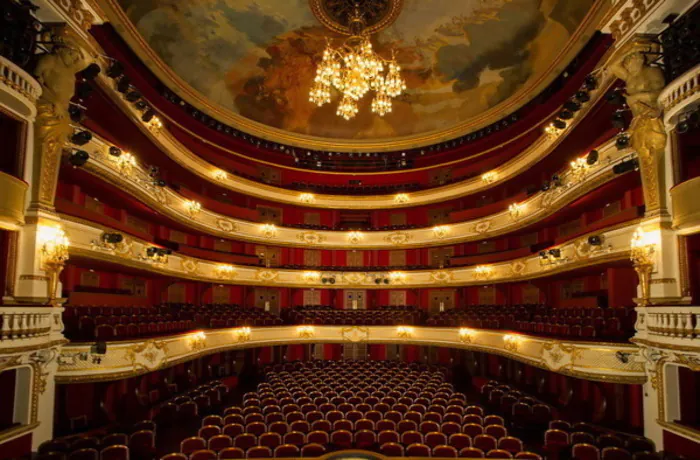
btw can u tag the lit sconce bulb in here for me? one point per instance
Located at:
(197, 340)
(483, 272)
(489, 177)
(307, 198)
(397, 277)
(193, 208)
(155, 124)
(125, 162)
(405, 331)
(354, 237)
(511, 342)
(311, 277)
(401, 198)
(466, 335)
(305, 331)
(242, 333)
(220, 175)
(515, 210)
(224, 271)
(268, 230)
(441, 231)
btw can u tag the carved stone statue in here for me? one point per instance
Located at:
(56, 73)
(644, 83)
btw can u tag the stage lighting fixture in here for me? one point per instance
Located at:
(543, 254)
(99, 348)
(115, 70)
(124, 84)
(159, 183)
(81, 138)
(582, 96)
(566, 115)
(592, 157)
(78, 158)
(555, 253)
(332, 280)
(595, 240)
(590, 83)
(76, 114)
(546, 186)
(615, 98)
(559, 124)
(572, 106)
(113, 238)
(622, 142)
(152, 251)
(618, 119)
(556, 180)
(133, 96)
(115, 151)
(626, 166)
(90, 72)
(148, 115)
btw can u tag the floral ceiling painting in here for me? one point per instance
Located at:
(257, 58)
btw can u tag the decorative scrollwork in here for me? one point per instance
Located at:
(226, 225)
(311, 238)
(398, 238)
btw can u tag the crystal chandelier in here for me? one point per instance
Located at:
(354, 69)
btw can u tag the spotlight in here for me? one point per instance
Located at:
(141, 105)
(386, 280)
(115, 70)
(90, 72)
(555, 253)
(572, 106)
(324, 280)
(616, 98)
(76, 114)
(543, 254)
(124, 84)
(133, 96)
(546, 186)
(622, 142)
(626, 166)
(377, 280)
(559, 124)
(148, 115)
(113, 238)
(153, 171)
(566, 115)
(99, 348)
(152, 251)
(590, 83)
(556, 180)
(159, 183)
(683, 127)
(332, 280)
(592, 158)
(595, 240)
(115, 151)
(582, 97)
(79, 158)
(83, 90)
(618, 120)
(81, 138)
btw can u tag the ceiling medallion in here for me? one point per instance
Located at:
(353, 68)
(336, 15)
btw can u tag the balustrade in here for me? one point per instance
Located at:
(673, 322)
(25, 322)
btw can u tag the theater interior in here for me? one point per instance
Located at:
(349, 229)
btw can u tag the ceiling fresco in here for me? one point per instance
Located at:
(257, 58)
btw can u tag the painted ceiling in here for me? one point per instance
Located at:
(460, 58)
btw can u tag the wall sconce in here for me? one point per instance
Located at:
(401, 198)
(242, 334)
(555, 128)
(156, 255)
(197, 341)
(483, 272)
(305, 332)
(307, 198)
(405, 332)
(268, 230)
(552, 257)
(155, 124)
(466, 335)
(54, 254)
(354, 237)
(511, 342)
(193, 208)
(225, 272)
(441, 231)
(643, 248)
(579, 168)
(489, 177)
(220, 175)
(311, 277)
(397, 277)
(515, 210)
(125, 163)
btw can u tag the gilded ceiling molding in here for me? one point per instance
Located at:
(587, 360)
(136, 181)
(165, 74)
(169, 145)
(82, 236)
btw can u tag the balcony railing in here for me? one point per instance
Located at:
(669, 325)
(23, 88)
(22, 323)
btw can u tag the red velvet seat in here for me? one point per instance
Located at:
(388, 437)
(384, 425)
(259, 452)
(608, 440)
(115, 452)
(294, 437)
(341, 439)
(472, 430)
(434, 438)
(450, 428)
(510, 444)
(365, 439)
(220, 442)
(392, 449)
(245, 441)
(493, 420)
(142, 444)
(209, 431)
(270, 439)
(313, 450)
(585, 452)
(418, 450)
(471, 452)
(497, 431)
(498, 453)
(411, 437)
(428, 426)
(475, 410)
(318, 437)
(204, 454)
(234, 418)
(189, 445)
(175, 456)
(445, 452)
(287, 451)
(484, 442)
(581, 437)
(432, 416)
(615, 453)
(231, 453)
(528, 456)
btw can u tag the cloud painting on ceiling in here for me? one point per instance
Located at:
(257, 58)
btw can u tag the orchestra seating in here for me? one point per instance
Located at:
(381, 316)
(308, 409)
(574, 323)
